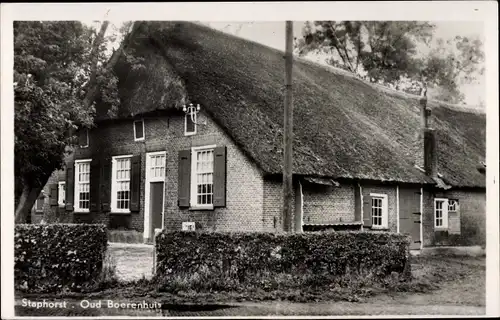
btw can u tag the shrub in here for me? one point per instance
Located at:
(269, 261)
(58, 257)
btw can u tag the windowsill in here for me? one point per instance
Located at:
(379, 228)
(83, 147)
(186, 134)
(81, 211)
(441, 228)
(39, 211)
(138, 140)
(201, 208)
(119, 212)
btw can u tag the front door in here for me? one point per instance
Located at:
(155, 192)
(156, 205)
(410, 215)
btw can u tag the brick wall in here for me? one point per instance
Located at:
(328, 204)
(470, 219)
(245, 184)
(50, 213)
(273, 204)
(390, 191)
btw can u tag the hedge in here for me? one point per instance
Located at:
(57, 257)
(269, 259)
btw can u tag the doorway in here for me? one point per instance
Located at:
(410, 215)
(154, 205)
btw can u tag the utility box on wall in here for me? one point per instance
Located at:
(188, 226)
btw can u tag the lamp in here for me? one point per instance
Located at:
(192, 111)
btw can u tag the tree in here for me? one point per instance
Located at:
(380, 51)
(60, 68)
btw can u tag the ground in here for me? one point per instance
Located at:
(461, 291)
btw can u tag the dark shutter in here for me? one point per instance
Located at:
(135, 182)
(220, 177)
(367, 211)
(184, 178)
(106, 184)
(70, 185)
(54, 188)
(95, 172)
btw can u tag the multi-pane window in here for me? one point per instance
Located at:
(121, 184)
(82, 185)
(139, 130)
(157, 167)
(83, 138)
(190, 124)
(61, 195)
(441, 213)
(452, 205)
(202, 175)
(379, 210)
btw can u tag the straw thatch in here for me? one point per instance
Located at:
(343, 126)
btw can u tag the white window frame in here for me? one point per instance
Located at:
(444, 213)
(61, 199)
(87, 140)
(190, 133)
(193, 182)
(114, 209)
(457, 205)
(143, 131)
(385, 211)
(76, 196)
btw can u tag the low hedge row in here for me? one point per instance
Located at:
(249, 259)
(57, 257)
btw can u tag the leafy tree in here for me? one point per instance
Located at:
(60, 68)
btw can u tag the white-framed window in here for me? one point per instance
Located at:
(189, 124)
(120, 186)
(61, 195)
(452, 205)
(202, 177)
(82, 185)
(379, 210)
(440, 213)
(156, 167)
(139, 133)
(83, 139)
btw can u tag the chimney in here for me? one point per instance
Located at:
(429, 137)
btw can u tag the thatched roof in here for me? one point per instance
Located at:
(343, 126)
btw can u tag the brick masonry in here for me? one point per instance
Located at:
(328, 204)
(390, 191)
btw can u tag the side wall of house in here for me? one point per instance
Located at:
(324, 204)
(51, 213)
(466, 227)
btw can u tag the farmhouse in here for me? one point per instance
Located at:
(365, 157)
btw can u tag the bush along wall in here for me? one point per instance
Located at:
(230, 261)
(58, 257)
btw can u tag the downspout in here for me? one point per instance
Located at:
(421, 218)
(361, 204)
(397, 208)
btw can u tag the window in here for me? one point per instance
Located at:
(189, 124)
(138, 130)
(61, 195)
(82, 185)
(379, 210)
(120, 195)
(452, 205)
(202, 177)
(156, 167)
(441, 213)
(83, 138)
(39, 202)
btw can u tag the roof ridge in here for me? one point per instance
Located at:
(388, 90)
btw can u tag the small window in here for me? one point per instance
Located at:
(452, 205)
(121, 184)
(61, 198)
(202, 177)
(190, 124)
(379, 211)
(139, 130)
(82, 185)
(39, 202)
(83, 138)
(441, 213)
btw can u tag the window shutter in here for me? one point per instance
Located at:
(135, 182)
(184, 178)
(220, 177)
(367, 211)
(106, 184)
(70, 185)
(54, 191)
(95, 171)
